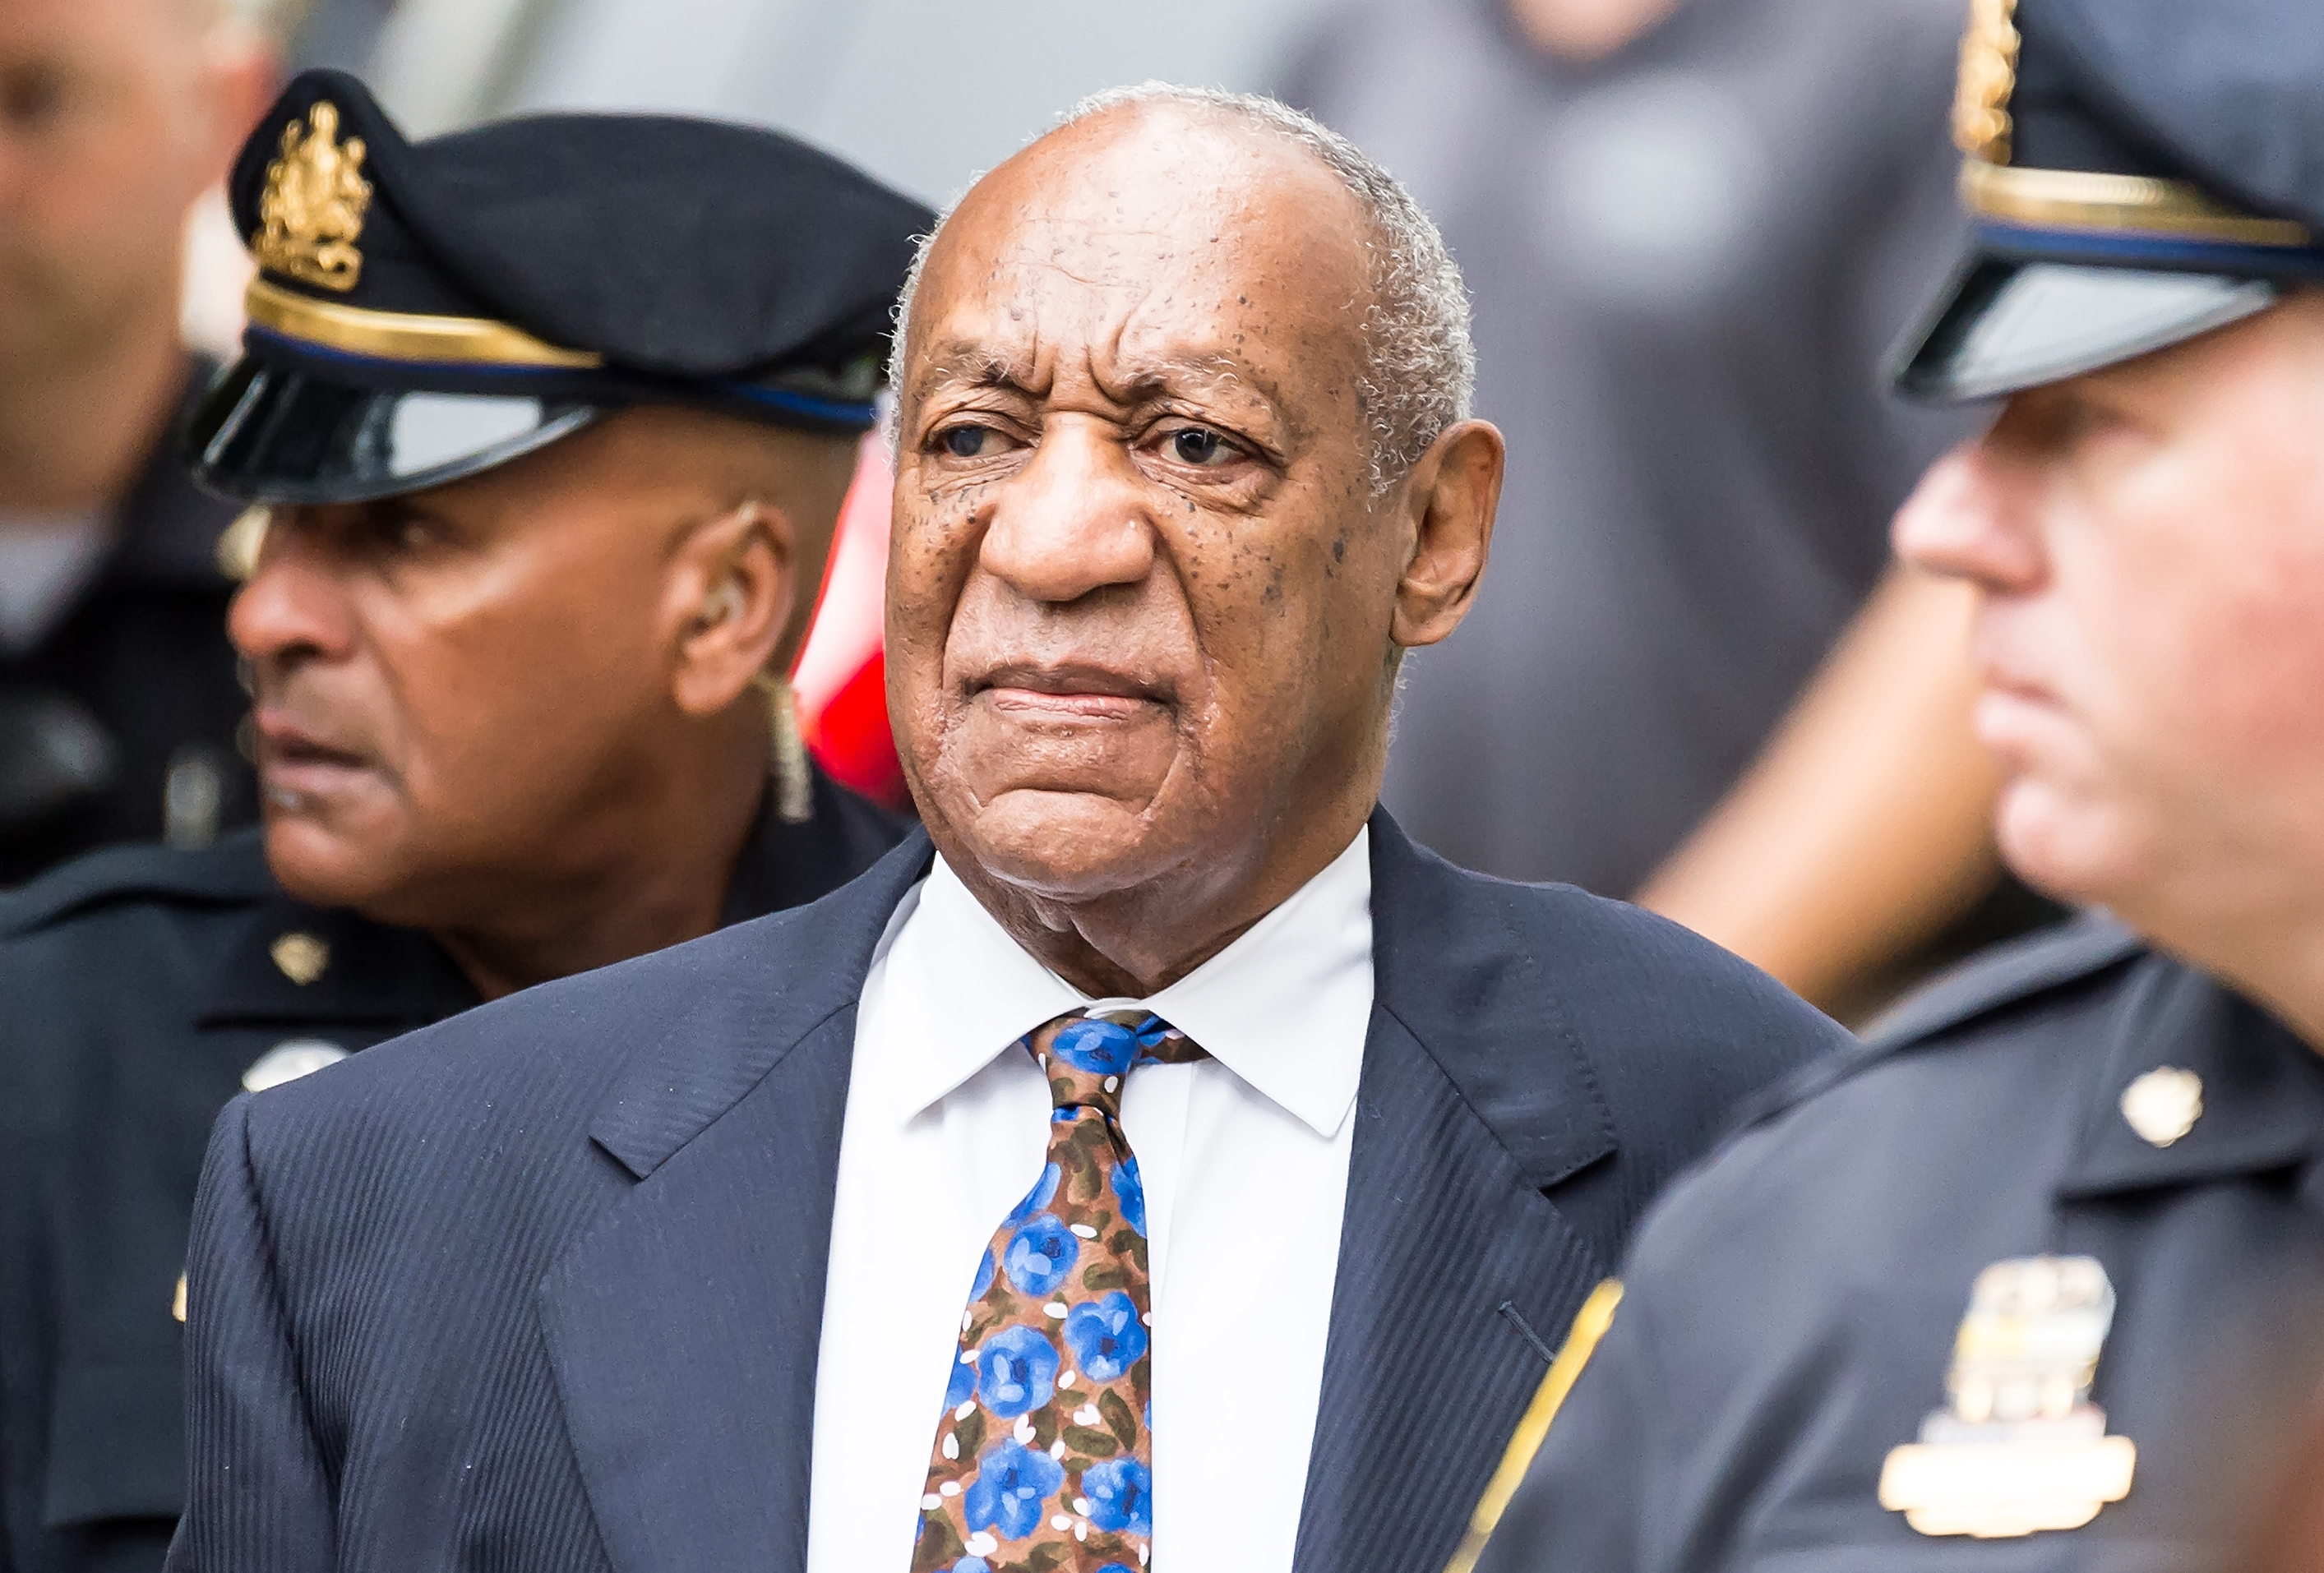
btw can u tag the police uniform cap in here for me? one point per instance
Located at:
(2139, 172)
(423, 311)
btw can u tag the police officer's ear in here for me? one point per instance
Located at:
(732, 591)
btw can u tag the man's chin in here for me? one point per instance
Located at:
(2075, 847)
(322, 864)
(1063, 845)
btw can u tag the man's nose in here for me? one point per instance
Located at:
(1966, 521)
(292, 606)
(1075, 519)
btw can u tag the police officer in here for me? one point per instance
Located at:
(553, 418)
(2028, 1282)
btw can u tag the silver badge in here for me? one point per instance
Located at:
(2021, 1448)
(288, 1061)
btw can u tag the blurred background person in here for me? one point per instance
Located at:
(1692, 226)
(510, 626)
(117, 695)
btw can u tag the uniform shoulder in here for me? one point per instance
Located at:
(1983, 989)
(231, 873)
(2005, 976)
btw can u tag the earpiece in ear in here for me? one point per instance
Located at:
(723, 605)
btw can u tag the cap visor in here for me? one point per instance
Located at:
(268, 434)
(2005, 325)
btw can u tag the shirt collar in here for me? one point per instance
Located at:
(1285, 1006)
(2263, 1090)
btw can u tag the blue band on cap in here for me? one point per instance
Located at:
(2123, 248)
(839, 411)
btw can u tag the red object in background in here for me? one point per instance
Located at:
(841, 680)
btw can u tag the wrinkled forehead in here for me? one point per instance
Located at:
(1163, 242)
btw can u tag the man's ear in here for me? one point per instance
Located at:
(1451, 494)
(733, 589)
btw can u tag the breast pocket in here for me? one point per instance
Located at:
(116, 1443)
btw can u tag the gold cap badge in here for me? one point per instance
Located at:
(1988, 76)
(2163, 1105)
(2020, 1448)
(302, 956)
(312, 211)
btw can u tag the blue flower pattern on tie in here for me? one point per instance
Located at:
(1121, 1496)
(1042, 1457)
(1017, 1372)
(1106, 1335)
(963, 1385)
(1129, 1185)
(1041, 1253)
(1011, 1483)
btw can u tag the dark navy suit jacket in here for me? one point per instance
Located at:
(541, 1287)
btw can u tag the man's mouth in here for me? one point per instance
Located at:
(294, 764)
(1067, 691)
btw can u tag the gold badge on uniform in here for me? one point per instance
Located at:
(301, 957)
(2163, 1105)
(1988, 76)
(312, 210)
(2021, 1448)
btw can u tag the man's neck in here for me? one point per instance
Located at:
(75, 437)
(1133, 944)
(660, 881)
(2278, 963)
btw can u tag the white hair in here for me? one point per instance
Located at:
(1419, 365)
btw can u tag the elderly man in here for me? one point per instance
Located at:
(2028, 1285)
(1171, 1159)
(506, 639)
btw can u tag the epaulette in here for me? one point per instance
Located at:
(2006, 975)
(234, 871)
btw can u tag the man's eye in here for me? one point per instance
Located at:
(969, 442)
(1200, 446)
(32, 98)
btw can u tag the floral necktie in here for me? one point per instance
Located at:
(1042, 1459)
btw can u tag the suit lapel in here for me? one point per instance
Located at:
(1457, 1276)
(684, 1329)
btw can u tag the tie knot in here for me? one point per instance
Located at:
(1088, 1055)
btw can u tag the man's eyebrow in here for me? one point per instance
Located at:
(974, 368)
(1131, 382)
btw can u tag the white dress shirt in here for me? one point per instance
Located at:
(1245, 1163)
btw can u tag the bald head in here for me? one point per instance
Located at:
(1409, 317)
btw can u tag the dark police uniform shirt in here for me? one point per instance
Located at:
(141, 663)
(1793, 1304)
(138, 987)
